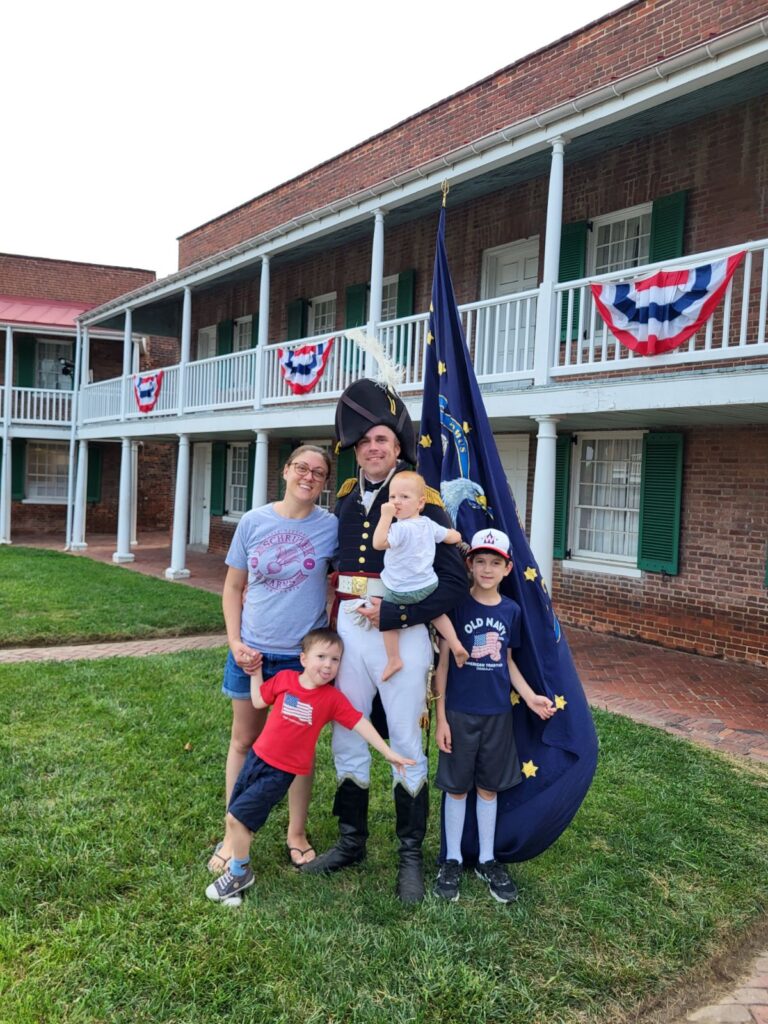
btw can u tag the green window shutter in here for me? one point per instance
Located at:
(573, 257)
(218, 477)
(297, 318)
(356, 306)
(406, 287)
(667, 227)
(660, 499)
(254, 330)
(562, 494)
(251, 473)
(224, 337)
(25, 361)
(93, 484)
(18, 468)
(283, 454)
(346, 466)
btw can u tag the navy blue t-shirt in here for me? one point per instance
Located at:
(482, 686)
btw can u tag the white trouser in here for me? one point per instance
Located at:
(403, 697)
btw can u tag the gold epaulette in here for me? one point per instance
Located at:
(346, 487)
(432, 497)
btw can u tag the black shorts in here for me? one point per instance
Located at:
(258, 788)
(484, 754)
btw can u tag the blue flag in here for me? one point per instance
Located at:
(458, 456)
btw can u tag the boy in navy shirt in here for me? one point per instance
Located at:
(474, 717)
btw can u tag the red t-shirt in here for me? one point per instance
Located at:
(289, 738)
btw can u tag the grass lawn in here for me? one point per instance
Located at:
(110, 784)
(48, 597)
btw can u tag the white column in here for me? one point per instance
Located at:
(177, 569)
(543, 510)
(263, 335)
(85, 369)
(72, 437)
(545, 311)
(5, 441)
(186, 346)
(134, 492)
(81, 495)
(127, 361)
(377, 270)
(259, 496)
(123, 553)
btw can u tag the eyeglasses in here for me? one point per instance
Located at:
(302, 469)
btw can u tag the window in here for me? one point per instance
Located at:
(242, 334)
(606, 497)
(237, 499)
(48, 372)
(322, 314)
(47, 466)
(389, 298)
(206, 342)
(620, 240)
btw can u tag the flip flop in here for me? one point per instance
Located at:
(290, 850)
(220, 868)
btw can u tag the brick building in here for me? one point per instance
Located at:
(640, 141)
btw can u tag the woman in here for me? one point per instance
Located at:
(274, 593)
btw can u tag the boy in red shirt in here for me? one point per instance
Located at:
(303, 704)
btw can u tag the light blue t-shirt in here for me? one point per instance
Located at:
(287, 562)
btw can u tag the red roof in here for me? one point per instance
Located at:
(44, 312)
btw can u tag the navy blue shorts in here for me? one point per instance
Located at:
(258, 789)
(237, 683)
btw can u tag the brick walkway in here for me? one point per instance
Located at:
(714, 703)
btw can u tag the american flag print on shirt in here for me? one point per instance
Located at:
(297, 709)
(486, 643)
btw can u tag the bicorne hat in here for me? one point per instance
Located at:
(365, 404)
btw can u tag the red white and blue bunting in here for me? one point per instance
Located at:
(146, 390)
(303, 367)
(660, 312)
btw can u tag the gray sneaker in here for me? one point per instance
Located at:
(500, 885)
(447, 882)
(228, 887)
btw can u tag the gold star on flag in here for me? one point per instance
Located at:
(441, 368)
(560, 702)
(515, 697)
(530, 573)
(529, 769)
(425, 441)
(430, 337)
(465, 427)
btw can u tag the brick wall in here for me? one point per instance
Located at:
(37, 278)
(718, 604)
(619, 44)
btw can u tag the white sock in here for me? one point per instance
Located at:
(453, 813)
(486, 827)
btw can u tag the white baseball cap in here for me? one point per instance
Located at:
(490, 540)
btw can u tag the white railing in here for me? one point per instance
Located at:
(167, 401)
(223, 382)
(500, 336)
(346, 363)
(737, 328)
(101, 401)
(41, 405)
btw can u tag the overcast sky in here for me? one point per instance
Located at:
(128, 124)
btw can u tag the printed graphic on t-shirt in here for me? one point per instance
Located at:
(282, 560)
(297, 710)
(487, 637)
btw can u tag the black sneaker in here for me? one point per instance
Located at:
(501, 886)
(228, 887)
(447, 882)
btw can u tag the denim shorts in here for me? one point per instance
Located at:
(258, 789)
(237, 683)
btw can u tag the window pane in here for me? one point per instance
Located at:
(47, 471)
(607, 510)
(238, 480)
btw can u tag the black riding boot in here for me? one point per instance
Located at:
(350, 806)
(411, 826)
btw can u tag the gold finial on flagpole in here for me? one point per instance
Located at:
(445, 188)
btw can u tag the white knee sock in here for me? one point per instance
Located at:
(486, 827)
(454, 826)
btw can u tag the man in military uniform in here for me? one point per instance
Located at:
(372, 418)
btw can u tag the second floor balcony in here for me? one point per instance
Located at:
(507, 350)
